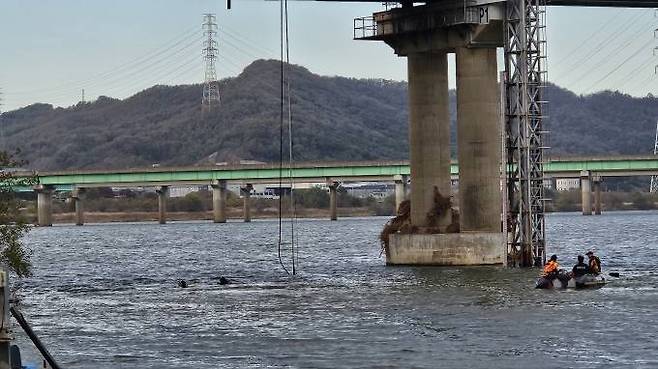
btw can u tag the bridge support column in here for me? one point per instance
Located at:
(246, 198)
(411, 32)
(76, 197)
(163, 193)
(586, 192)
(44, 206)
(596, 182)
(478, 140)
(400, 190)
(429, 133)
(219, 202)
(333, 199)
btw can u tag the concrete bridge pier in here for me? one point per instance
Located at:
(44, 205)
(596, 183)
(400, 190)
(163, 194)
(425, 34)
(219, 201)
(429, 133)
(246, 198)
(586, 192)
(333, 199)
(478, 140)
(76, 197)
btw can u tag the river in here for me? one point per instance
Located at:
(105, 296)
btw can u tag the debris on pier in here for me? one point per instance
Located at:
(401, 223)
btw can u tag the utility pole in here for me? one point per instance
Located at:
(83, 96)
(211, 86)
(654, 179)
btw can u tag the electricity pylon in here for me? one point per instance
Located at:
(211, 85)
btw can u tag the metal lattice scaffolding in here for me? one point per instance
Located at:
(524, 83)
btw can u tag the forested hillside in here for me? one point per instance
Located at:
(335, 118)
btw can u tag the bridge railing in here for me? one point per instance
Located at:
(365, 27)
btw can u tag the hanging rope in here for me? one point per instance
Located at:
(286, 104)
(293, 209)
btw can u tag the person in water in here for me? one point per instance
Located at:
(581, 268)
(551, 268)
(594, 263)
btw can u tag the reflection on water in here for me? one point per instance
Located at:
(105, 296)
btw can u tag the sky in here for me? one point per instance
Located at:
(52, 49)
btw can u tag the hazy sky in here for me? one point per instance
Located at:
(51, 49)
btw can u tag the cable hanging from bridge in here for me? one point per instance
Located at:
(286, 107)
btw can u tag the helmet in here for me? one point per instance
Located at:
(553, 257)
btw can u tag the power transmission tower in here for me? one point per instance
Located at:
(211, 86)
(654, 179)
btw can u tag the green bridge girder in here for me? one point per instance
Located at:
(320, 172)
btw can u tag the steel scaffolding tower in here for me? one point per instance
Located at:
(525, 58)
(654, 179)
(211, 86)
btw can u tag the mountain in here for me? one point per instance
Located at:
(334, 118)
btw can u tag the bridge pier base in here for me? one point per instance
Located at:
(596, 182)
(400, 190)
(76, 197)
(333, 200)
(478, 140)
(586, 192)
(44, 206)
(469, 248)
(219, 202)
(246, 205)
(163, 193)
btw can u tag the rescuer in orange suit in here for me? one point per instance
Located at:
(551, 268)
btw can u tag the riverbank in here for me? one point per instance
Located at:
(232, 213)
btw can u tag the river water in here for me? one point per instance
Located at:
(105, 296)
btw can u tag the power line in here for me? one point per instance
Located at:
(597, 31)
(618, 66)
(118, 81)
(163, 48)
(590, 56)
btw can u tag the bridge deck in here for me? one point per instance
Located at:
(595, 3)
(319, 172)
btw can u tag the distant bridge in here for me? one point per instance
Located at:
(622, 166)
(589, 170)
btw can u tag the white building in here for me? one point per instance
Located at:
(566, 184)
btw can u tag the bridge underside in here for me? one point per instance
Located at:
(590, 3)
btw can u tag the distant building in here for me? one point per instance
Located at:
(566, 184)
(182, 191)
(364, 190)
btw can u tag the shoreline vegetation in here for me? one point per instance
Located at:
(102, 205)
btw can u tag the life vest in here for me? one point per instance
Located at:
(551, 267)
(595, 265)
